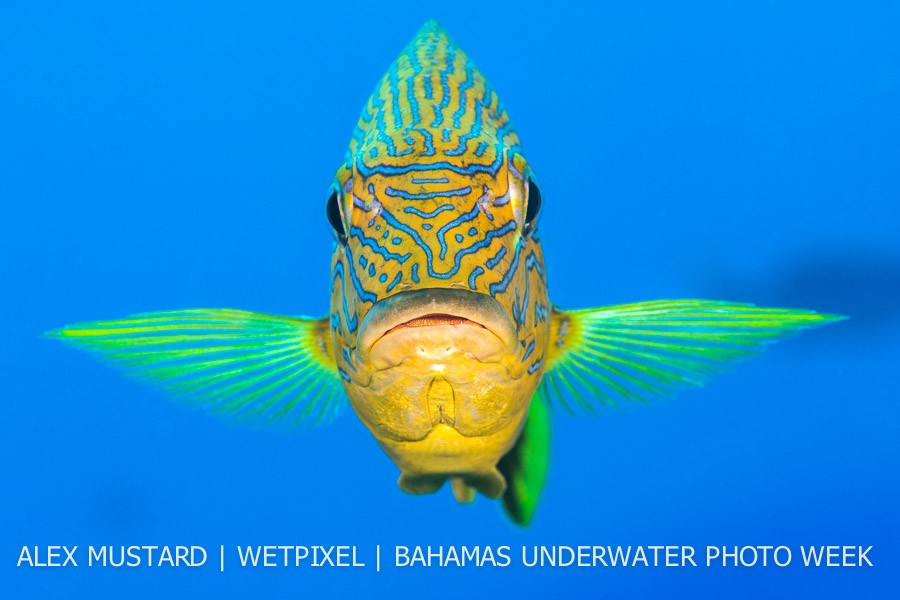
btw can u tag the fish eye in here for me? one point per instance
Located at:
(333, 212)
(532, 206)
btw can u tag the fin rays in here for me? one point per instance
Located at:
(243, 365)
(638, 351)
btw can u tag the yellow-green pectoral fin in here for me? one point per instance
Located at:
(244, 365)
(636, 351)
(525, 466)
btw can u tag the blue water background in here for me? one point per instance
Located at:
(157, 155)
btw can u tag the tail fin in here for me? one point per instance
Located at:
(525, 466)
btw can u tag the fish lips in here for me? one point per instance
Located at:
(455, 312)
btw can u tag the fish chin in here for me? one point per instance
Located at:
(435, 326)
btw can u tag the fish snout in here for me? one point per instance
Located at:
(435, 325)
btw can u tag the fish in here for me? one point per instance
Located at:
(441, 334)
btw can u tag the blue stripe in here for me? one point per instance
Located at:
(518, 309)
(411, 86)
(466, 85)
(489, 95)
(394, 283)
(507, 278)
(424, 196)
(430, 180)
(473, 275)
(531, 262)
(429, 54)
(381, 136)
(492, 262)
(528, 350)
(427, 215)
(537, 365)
(445, 86)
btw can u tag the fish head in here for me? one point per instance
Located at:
(438, 275)
(439, 303)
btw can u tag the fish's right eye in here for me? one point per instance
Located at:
(532, 206)
(333, 212)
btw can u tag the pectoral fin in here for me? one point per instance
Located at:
(525, 466)
(637, 351)
(244, 365)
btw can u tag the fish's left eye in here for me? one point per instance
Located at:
(532, 206)
(333, 212)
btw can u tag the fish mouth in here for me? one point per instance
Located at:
(475, 323)
(433, 319)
